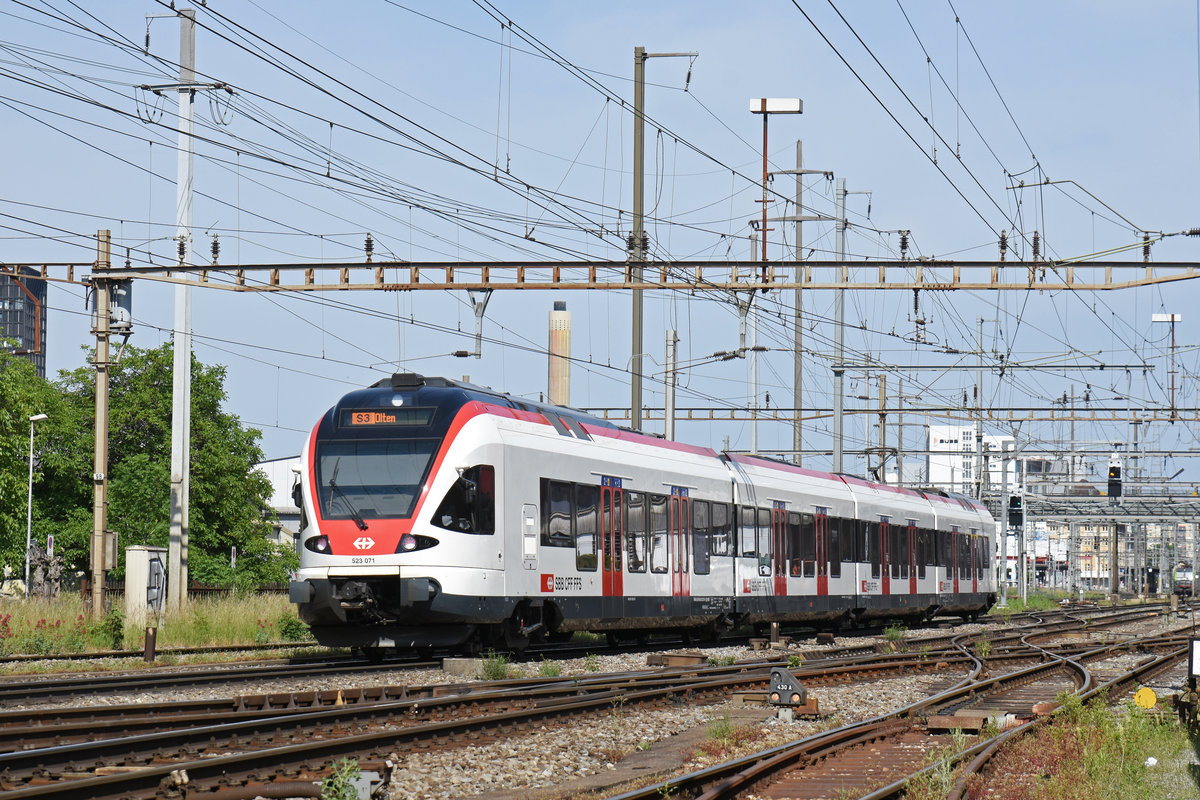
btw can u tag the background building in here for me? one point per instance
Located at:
(23, 318)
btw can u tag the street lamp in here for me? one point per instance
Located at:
(767, 106)
(29, 513)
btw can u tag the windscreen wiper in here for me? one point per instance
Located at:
(354, 515)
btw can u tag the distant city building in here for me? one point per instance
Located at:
(952, 463)
(23, 318)
(279, 473)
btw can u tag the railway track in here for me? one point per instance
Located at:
(959, 729)
(286, 741)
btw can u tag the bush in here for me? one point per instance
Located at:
(494, 667)
(293, 629)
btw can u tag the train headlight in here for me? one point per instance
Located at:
(411, 542)
(318, 544)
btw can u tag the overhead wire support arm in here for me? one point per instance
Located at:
(726, 276)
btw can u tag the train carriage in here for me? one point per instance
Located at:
(439, 514)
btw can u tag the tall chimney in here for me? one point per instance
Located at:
(560, 354)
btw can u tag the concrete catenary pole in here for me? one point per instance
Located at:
(100, 454)
(181, 387)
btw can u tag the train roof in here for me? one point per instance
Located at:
(411, 381)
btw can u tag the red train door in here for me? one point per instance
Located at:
(912, 557)
(677, 544)
(885, 555)
(954, 556)
(975, 548)
(822, 521)
(783, 558)
(611, 523)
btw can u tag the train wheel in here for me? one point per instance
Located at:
(374, 654)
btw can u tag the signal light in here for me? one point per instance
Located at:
(1016, 510)
(1114, 480)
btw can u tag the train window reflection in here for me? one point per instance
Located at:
(658, 533)
(587, 506)
(556, 514)
(371, 478)
(635, 530)
(722, 533)
(746, 546)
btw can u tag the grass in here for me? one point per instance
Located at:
(1092, 752)
(494, 666)
(49, 627)
(725, 740)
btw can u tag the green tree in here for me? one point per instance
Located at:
(23, 393)
(228, 496)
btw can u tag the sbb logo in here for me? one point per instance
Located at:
(547, 582)
(364, 543)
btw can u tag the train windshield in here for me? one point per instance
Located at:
(371, 478)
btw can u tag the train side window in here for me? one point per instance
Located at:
(873, 550)
(808, 544)
(792, 543)
(722, 530)
(557, 514)
(658, 533)
(964, 556)
(977, 552)
(587, 512)
(835, 546)
(470, 504)
(701, 535)
(746, 530)
(893, 550)
(922, 551)
(764, 533)
(635, 530)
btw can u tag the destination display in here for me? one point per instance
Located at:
(385, 418)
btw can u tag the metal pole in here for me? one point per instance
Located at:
(900, 433)
(1003, 583)
(100, 453)
(979, 410)
(29, 504)
(752, 311)
(839, 318)
(181, 385)
(797, 324)
(1022, 543)
(1113, 568)
(765, 116)
(637, 252)
(882, 428)
(669, 428)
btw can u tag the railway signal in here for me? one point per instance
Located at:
(1016, 510)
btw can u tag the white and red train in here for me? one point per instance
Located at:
(440, 514)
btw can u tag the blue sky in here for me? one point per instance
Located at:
(426, 100)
